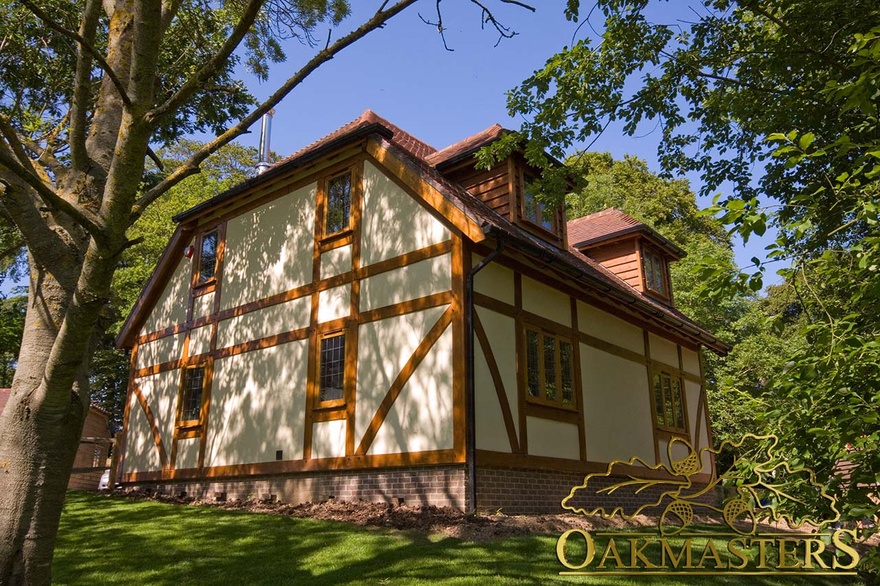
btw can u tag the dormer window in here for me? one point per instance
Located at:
(655, 272)
(533, 209)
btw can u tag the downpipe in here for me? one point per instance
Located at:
(471, 415)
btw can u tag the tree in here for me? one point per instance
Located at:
(775, 102)
(88, 89)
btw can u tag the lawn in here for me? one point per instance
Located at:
(109, 540)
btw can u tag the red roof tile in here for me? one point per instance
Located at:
(601, 225)
(401, 138)
(467, 145)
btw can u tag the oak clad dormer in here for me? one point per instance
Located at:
(630, 249)
(506, 187)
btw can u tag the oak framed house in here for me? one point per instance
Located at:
(308, 335)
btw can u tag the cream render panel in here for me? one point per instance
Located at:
(269, 249)
(160, 391)
(203, 305)
(141, 453)
(199, 341)
(421, 418)
(602, 325)
(328, 439)
(663, 350)
(690, 361)
(187, 453)
(383, 348)
(336, 261)
(617, 407)
(546, 301)
(334, 303)
(696, 418)
(393, 223)
(258, 406)
(160, 351)
(553, 439)
(494, 280)
(501, 332)
(432, 275)
(275, 319)
(171, 307)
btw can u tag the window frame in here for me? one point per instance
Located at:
(659, 419)
(542, 399)
(325, 203)
(340, 401)
(649, 253)
(180, 422)
(538, 208)
(203, 286)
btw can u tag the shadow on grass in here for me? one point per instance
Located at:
(119, 541)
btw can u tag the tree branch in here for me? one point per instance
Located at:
(191, 165)
(203, 75)
(82, 91)
(12, 141)
(38, 12)
(48, 195)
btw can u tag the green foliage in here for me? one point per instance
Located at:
(12, 310)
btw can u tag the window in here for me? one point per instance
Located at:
(331, 385)
(191, 394)
(549, 368)
(669, 411)
(655, 274)
(338, 204)
(208, 256)
(533, 209)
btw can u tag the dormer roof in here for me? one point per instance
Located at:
(612, 224)
(463, 149)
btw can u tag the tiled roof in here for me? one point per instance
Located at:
(401, 138)
(610, 223)
(601, 225)
(466, 146)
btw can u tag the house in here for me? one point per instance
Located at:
(91, 456)
(308, 335)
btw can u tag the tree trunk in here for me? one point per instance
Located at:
(38, 443)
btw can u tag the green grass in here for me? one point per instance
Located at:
(120, 541)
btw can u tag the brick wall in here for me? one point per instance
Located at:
(440, 486)
(523, 491)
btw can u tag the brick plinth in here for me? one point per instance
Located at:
(529, 492)
(440, 486)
